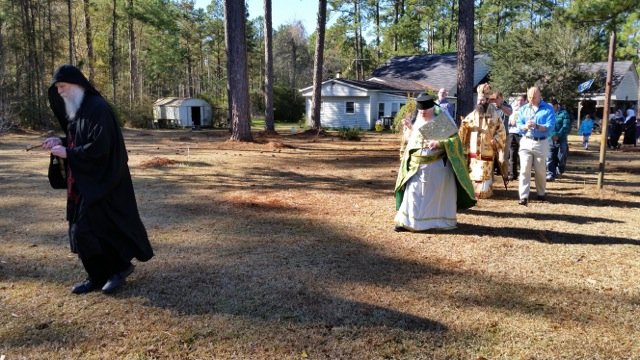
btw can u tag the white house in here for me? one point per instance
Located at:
(355, 104)
(182, 112)
(351, 103)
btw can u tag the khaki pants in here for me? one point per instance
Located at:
(533, 153)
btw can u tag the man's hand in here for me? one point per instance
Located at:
(531, 124)
(49, 143)
(59, 151)
(433, 144)
(407, 123)
(555, 138)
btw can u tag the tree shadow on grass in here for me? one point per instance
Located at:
(545, 236)
(278, 279)
(559, 197)
(573, 219)
(314, 276)
(591, 179)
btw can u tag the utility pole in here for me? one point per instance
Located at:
(605, 113)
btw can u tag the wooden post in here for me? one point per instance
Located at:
(579, 114)
(605, 113)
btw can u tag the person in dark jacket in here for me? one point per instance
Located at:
(105, 228)
(559, 144)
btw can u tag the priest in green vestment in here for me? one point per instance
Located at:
(433, 181)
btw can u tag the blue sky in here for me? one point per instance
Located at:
(283, 11)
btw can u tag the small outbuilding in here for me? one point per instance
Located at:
(182, 112)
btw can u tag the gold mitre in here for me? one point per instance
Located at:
(484, 90)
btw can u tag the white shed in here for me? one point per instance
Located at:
(182, 112)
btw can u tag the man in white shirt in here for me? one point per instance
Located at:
(444, 104)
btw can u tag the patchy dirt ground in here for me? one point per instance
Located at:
(284, 249)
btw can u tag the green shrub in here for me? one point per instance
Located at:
(288, 104)
(351, 134)
(408, 108)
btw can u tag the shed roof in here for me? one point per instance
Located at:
(175, 101)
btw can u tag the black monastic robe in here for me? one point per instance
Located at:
(102, 201)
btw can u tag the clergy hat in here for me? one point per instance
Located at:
(72, 75)
(424, 102)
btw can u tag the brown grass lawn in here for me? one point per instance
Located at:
(284, 249)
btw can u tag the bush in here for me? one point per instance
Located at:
(288, 104)
(406, 110)
(140, 116)
(256, 99)
(351, 134)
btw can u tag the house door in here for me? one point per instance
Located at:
(195, 117)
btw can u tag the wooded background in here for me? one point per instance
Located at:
(136, 51)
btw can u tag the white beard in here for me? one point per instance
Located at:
(73, 101)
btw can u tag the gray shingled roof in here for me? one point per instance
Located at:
(419, 72)
(369, 85)
(363, 84)
(599, 70)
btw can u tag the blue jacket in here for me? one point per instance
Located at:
(563, 125)
(544, 116)
(586, 126)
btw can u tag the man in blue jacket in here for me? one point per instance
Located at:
(558, 146)
(535, 120)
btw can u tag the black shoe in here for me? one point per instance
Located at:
(551, 179)
(125, 273)
(523, 202)
(114, 283)
(85, 287)
(399, 228)
(541, 198)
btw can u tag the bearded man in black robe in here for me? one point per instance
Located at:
(105, 229)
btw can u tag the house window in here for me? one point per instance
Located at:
(380, 110)
(394, 109)
(350, 107)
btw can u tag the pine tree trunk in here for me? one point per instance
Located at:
(71, 49)
(89, 37)
(28, 29)
(269, 124)
(378, 50)
(134, 94)
(318, 61)
(114, 69)
(238, 81)
(3, 93)
(465, 59)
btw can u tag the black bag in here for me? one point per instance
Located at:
(57, 172)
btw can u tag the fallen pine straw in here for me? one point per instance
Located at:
(157, 162)
(290, 254)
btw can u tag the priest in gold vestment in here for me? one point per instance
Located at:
(483, 137)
